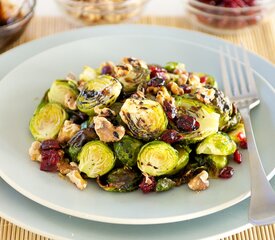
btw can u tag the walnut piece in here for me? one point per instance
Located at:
(70, 101)
(106, 131)
(68, 130)
(104, 112)
(199, 182)
(34, 151)
(77, 179)
(175, 88)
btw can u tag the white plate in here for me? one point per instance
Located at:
(29, 80)
(27, 214)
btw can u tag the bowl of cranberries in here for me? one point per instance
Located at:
(228, 16)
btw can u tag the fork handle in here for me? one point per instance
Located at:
(262, 194)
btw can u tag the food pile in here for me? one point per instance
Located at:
(137, 126)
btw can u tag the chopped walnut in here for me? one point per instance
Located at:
(134, 62)
(163, 95)
(199, 182)
(34, 151)
(68, 130)
(104, 112)
(70, 101)
(77, 179)
(175, 89)
(122, 70)
(194, 81)
(64, 167)
(106, 131)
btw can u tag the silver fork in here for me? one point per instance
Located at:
(241, 89)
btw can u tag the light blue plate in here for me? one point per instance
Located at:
(144, 30)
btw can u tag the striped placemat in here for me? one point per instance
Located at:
(260, 39)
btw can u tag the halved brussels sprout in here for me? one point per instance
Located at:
(207, 118)
(121, 180)
(127, 150)
(145, 118)
(183, 154)
(63, 92)
(102, 92)
(238, 133)
(47, 121)
(95, 159)
(131, 73)
(218, 144)
(157, 158)
(88, 74)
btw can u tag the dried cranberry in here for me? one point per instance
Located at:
(50, 144)
(156, 71)
(186, 88)
(156, 82)
(226, 172)
(148, 184)
(187, 123)
(243, 144)
(171, 136)
(237, 156)
(241, 136)
(170, 109)
(203, 79)
(50, 159)
(106, 70)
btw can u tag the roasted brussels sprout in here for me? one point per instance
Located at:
(88, 74)
(102, 92)
(183, 154)
(131, 73)
(95, 159)
(47, 121)
(121, 180)
(157, 158)
(164, 184)
(64, 92)
(207, 118)
(145, 118)
(127, 150)
(218, 144)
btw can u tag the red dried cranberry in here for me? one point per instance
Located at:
(186, 88)
(203, 79)
(187, 123)
(148, 184)
(50, 144)
(156, 71)
(226, 172)
(106, 70)
(156, 82)
(237, 156)
(243, 144)
(50, 159)
(171, 136)
(169, 109)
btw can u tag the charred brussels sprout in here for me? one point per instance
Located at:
(64, 92)
(95, 159)
(121, 180)
(164, 184)
(145, 118)
(127, 150)
(131, 73)
(157, 158)
(102, 92)
(47, 121)
(217, 144)
(183, 154)
(207, 118)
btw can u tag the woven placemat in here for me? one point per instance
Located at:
(259, 39)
